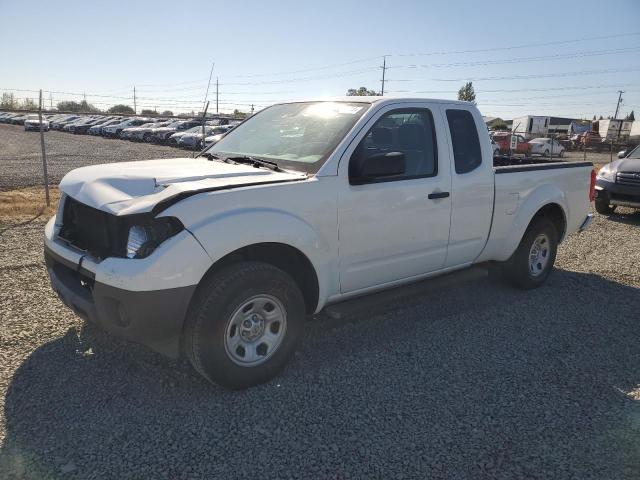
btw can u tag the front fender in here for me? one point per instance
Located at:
(229, 231)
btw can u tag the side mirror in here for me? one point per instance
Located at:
(622, 153)
(380, 165)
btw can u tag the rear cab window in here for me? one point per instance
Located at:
(464, 140)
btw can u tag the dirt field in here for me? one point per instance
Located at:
(469, 380)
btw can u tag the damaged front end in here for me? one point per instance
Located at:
(102, 234)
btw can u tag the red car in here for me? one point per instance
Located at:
(590, 139)
(503, 139)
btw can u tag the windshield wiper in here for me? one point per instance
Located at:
(210, 156)
(256, 162)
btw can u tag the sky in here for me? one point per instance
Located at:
(562, 58)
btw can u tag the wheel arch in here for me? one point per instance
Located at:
(554, 212)
(285, 257)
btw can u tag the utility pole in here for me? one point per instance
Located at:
(217, 94)
(135, 108)
(252, 109)
(384, 69)
(44, 153)
(204, 122)
(615, 116)
(206, 94)
(620, 92)
(50, 101)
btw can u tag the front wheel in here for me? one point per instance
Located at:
(533, 260)
(546, 153)
(244, 324)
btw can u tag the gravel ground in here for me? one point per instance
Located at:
(475, 380)
(21, 160)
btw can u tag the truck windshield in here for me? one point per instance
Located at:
(298, 136)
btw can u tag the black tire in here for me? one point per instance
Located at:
(603, 207)
(146, 138)
(213, 306)
(546, 153)
(517, 268)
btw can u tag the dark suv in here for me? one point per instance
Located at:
(618, 183)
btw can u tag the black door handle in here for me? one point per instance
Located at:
(435, 195)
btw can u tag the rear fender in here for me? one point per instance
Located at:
(505, 238)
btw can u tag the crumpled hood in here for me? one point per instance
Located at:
(136, 187)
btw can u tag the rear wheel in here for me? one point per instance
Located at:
(146, 138)
(244, 324)
(603, 207)
(533, 260)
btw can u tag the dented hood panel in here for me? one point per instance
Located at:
(136, 187)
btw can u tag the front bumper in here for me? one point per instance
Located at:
(153, 318)
(616, 194)
(141, 300)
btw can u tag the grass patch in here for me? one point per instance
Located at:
(27, 203)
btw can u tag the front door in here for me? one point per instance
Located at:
(395, 227)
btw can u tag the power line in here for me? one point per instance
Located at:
(525, 77)
(559, 56)
(514, 90)
(323, 67)
(514, 47)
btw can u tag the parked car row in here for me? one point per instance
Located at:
(179, 133)
(30, 121)
(508, 142)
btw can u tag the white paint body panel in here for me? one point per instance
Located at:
(391, 230)
(357, 238)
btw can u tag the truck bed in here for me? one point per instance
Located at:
(507, 164)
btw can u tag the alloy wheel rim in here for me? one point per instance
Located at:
(255, 330)
(539, 255)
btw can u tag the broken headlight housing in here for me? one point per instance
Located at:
(144, 238)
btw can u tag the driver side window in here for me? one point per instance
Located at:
(406, 134)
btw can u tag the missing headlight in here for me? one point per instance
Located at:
(144, 238)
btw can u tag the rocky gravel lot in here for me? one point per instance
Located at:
(473, 380)
(20, 154)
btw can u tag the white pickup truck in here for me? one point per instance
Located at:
(304, 204)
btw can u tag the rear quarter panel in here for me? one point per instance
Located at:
(520, 195)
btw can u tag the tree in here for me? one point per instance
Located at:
(125, 109)
(167, 113)
(8, 101)
(362, 92)
(466, 93)
(238, 114)
(601, 117)
(631, 117)
(498, 124)
(29, 104)
(594, 118)
(148, 112)
(71, 106)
